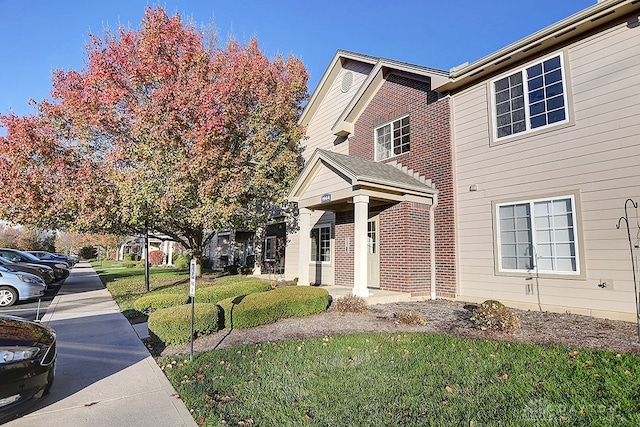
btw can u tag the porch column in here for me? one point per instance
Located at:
(303, 261)
(170, 256)
(361, 217)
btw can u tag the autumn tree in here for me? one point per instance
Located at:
(157, 131)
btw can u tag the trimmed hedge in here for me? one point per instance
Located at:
(172, 325)
(216, 293)
(267, 307)
(149, 303)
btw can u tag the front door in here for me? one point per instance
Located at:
(373, 252)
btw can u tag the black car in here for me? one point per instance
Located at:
(27, 364)
(42, 271)
(60, 269)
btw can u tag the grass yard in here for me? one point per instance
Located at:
(127, 284)
(408, 380)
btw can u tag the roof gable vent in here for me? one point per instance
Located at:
(347, 81)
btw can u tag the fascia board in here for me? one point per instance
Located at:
(588, 18)
(329, 76)
(372, 85)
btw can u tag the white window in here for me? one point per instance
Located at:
(532, 98)
(270, 248)
(321, 243)
(538, 235)
(392, 139)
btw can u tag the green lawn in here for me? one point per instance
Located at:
(127, 284)
(391, 379)
(408, 380)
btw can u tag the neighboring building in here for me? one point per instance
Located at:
(547, 146)
(501, 179)
(231, 248)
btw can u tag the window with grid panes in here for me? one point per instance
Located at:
(392, 139)
(532, 98)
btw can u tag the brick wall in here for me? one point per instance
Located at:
(343, 274)
(430, 155)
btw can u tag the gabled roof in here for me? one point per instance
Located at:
(381, 68)
(330, 74)
(361, 173)
(377, 76)
(602, 12)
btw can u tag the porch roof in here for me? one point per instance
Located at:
(381, 181)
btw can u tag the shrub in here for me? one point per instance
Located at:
(205, 262)
(411, 318)
(181, 262)
(172, 325)
(130, 257)
(128, 264)
(495, 316)
(216, 293)
(350, 304)
(267, 307)
(231, 269)
(150, 303)
(156, 257)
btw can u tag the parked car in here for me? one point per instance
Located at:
(43, 271)
(19, 286)
(27, 364)
(60, 269)
(48, 256)
(72, 258)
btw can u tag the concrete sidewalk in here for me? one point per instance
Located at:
(104, 374)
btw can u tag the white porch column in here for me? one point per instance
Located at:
(304, 222)
(170, 256)
(121, 253)
(361, 217)
(163, 248)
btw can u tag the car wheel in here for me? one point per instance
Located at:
(8, 296)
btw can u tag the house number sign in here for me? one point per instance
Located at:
(325, 198)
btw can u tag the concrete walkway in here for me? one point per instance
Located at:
(104, 374)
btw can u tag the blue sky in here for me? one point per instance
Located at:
(39, 36)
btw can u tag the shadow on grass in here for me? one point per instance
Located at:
(237, 300)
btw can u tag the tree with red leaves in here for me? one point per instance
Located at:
(157, 131)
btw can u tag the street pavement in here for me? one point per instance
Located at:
(105, 375)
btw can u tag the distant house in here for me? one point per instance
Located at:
(499, 179)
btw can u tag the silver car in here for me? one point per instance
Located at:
(19, 286)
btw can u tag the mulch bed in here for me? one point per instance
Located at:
(442, 316)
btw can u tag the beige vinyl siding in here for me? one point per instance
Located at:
(597, 157)
(319, 135)
(319, 130)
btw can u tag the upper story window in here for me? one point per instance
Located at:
(392, 139)
(532, 98)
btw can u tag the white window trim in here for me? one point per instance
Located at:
(576, 234)
(375, 138)
(492, 101)
(331, 253)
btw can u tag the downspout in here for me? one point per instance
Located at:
(432, 244)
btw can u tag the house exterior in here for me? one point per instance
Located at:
(375, 198)
(501, 179)
(547, 149)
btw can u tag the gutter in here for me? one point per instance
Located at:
(432, 244)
